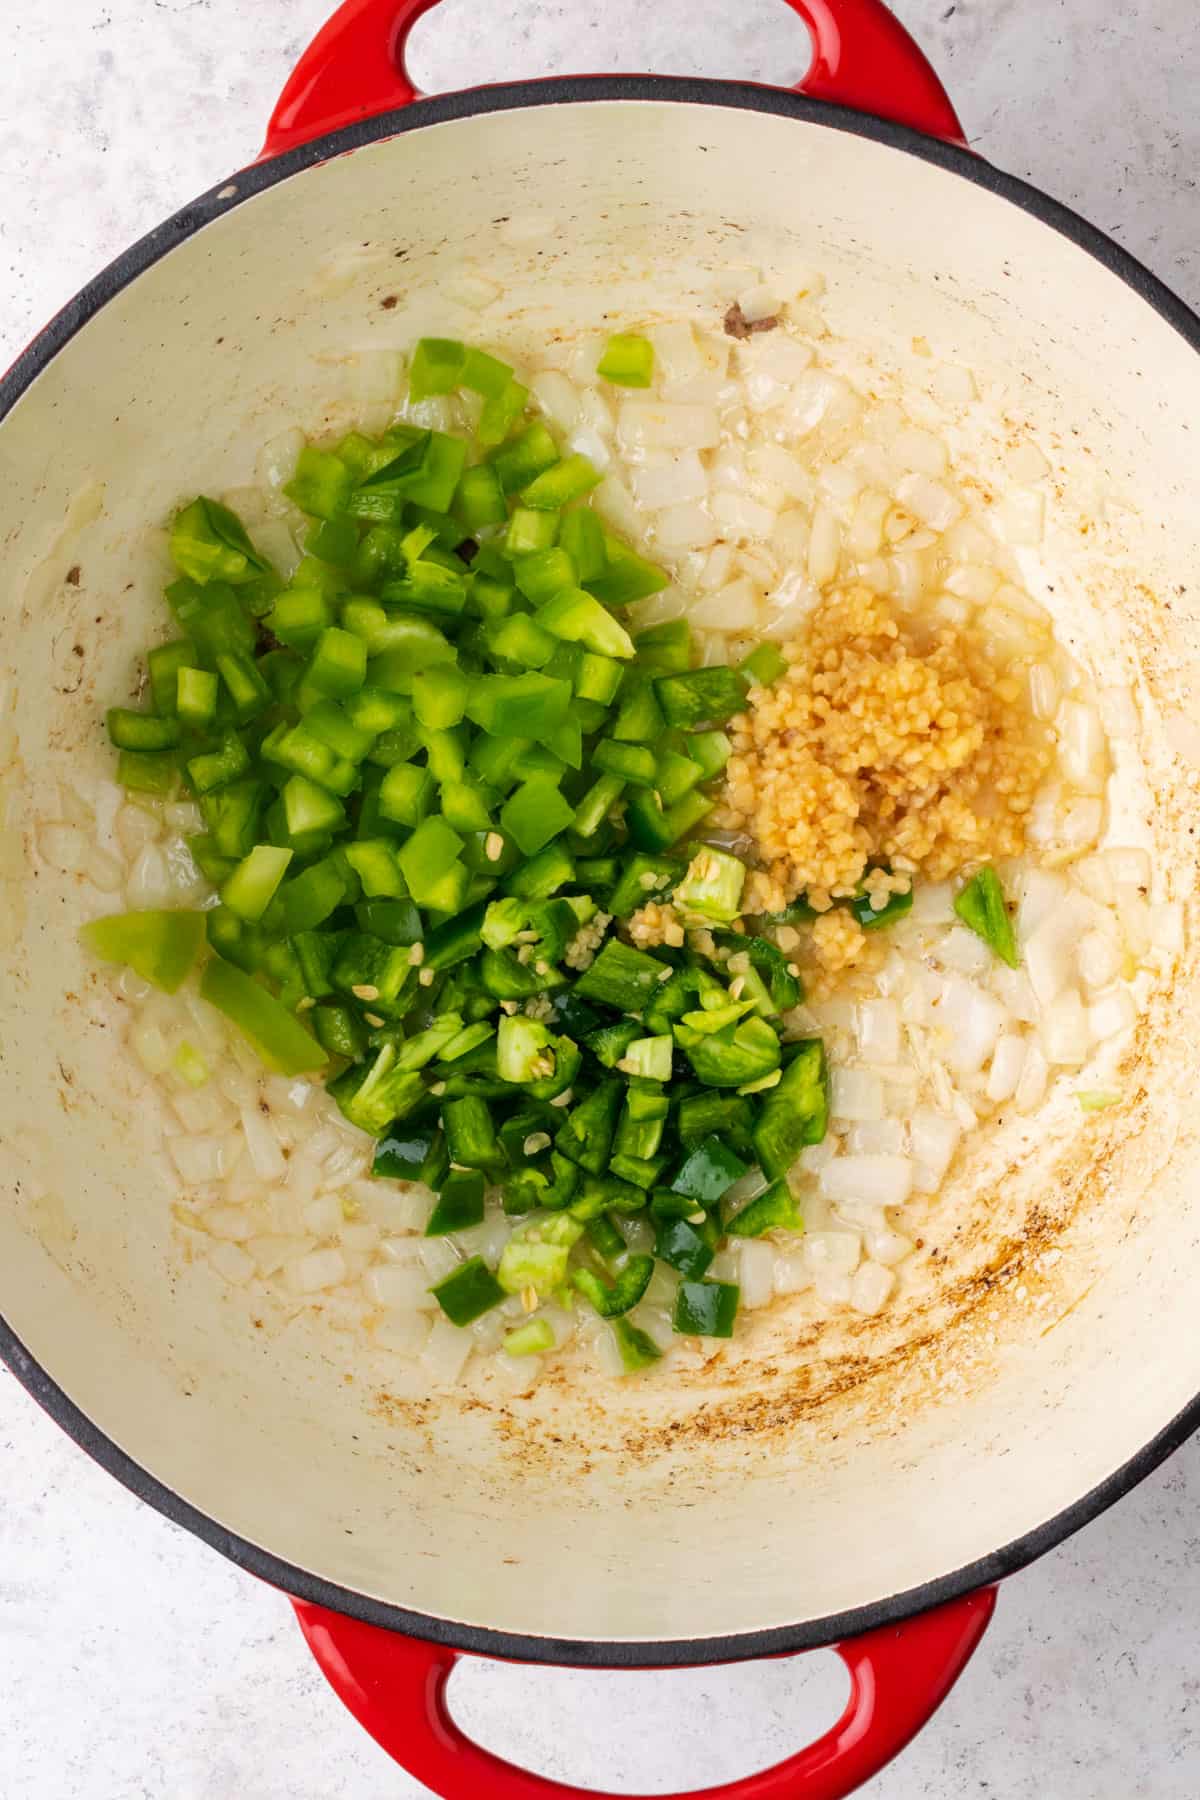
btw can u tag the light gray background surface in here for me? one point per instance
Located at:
(134, 1663)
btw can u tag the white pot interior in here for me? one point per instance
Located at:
(835, 1467)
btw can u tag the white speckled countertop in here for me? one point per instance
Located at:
(135, 1664)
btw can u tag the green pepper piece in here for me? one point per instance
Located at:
(982, 906)
(321, 485)
(579, 618)
(436, 367)
(795, 1113)
(165, 663)
(713, 885)
(536, 1255)
(339, 1030)
(485, 374)
(501, 412)
(129, 730)
(621, 977)
(680, 1245)
(518, 706)
(708, 1171)
(609, 1043)
(610, 1301)
(534, 814)
(556, 487)
(713, 695)
(375, 1096)
(469, 1292)
(772, 1210)
(470, 1133)
(666, 649)
(732, 1057)
(530, 1339)
(628, 360)
(252, 886)
(635, 763)
(709, 750)
(765, 664)
(400, 1155)
(279, 1039)
(159, 946)
(638, 1349)
(594, 808)
(525, 457)
(210, 543)
(605, 1238)
(626, 576)
(653, 828)
(586, 1133)
(706, 1308)
(459, 1204)
(543, 874)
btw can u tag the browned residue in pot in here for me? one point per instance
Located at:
(737, 325)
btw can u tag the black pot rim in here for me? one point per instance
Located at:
(300, 1583)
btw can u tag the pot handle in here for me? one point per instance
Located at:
(396, 1687)
(354, 68)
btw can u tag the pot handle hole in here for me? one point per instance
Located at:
(863, 59)
(395, 1687)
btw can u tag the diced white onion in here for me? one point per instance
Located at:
(933, 1139)
(1031, 1088)
(278, 458)
(322, 1217)
(869, 1137)
(792, 1273)
(405, 1333)
(811, 399)
(871, 1287)
(1007, 1062)
(1082, 746)
(149, 883)
(732, 608)
(263, 1145)
(446, 1351)
(558, 398)
(929, 500)
(756, 1272)
(963, 951)
(688, 526)
(877, 1026)
(64, 847)
(401, 1287)
(973, 1019)
(1065, 1038)
(759, 302)
(738, 515)
(824, 545)
(1109, 1014)
(677, 355)
(832, 1252)
(654, 425)
(879, 1180)
(856, 1094)
(662, 481)
(317, 1270)
(199, 1159)
(1129, 865)
(777, 468)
